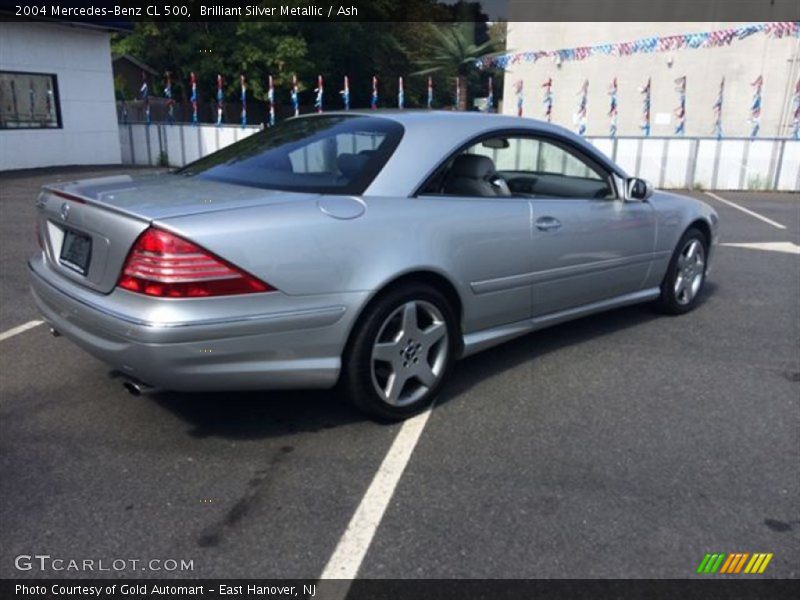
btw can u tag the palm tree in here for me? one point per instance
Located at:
(453, 52)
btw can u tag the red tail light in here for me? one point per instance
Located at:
(163, 264)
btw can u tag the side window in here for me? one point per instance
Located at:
(524, 166)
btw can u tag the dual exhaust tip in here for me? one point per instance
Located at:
(133, 387)
(137, 388)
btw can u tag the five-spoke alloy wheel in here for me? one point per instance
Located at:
(686, 274)
(401, 351)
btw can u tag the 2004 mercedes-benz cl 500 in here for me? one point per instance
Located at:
(368, 250)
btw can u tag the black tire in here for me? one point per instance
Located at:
(357, 383)
(669, 301)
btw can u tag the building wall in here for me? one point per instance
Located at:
(778, 60)
(81, 59)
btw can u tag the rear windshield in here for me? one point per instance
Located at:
(336, 154)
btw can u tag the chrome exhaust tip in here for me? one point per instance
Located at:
(137, 388)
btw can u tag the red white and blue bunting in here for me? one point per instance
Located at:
(680, 112)
(168, 96)
(193, 96)
(220, 98)
(320, 91)
(613, 108)
(271, 101)
(755, 107)
(796, 116)
(548, 99)
(295, 96)
(718, 110)
(645, 91)
(346, 93)
(583, 100)
(243, 82)
(648, 45)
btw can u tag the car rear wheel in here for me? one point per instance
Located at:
(401, 352)
(686, 274)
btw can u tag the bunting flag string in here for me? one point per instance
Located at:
(755, 107)
(645, 91)
(680, 112)
(168, 96)
(430, 93)
(548, 99)
(520, 99)
(243, 82)
(613, 108)
(346, 93)
(648, 45)
(718, 110)
(320, 90)
(796, 118)
(401, 100)
(220, 97)
(490, 96)
(295, 96)
(373, 102)
(144, 94)
(271, 101)
(193, 96)
(583, 102)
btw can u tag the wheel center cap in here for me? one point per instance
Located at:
(410, 351)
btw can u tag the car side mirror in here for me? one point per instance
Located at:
(638, 189)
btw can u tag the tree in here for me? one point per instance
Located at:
(454, 53)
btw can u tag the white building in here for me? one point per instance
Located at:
(56, 96)
(741, 62)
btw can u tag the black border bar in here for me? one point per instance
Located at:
(121, 13)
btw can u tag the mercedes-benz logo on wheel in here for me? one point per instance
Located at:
(65, 211)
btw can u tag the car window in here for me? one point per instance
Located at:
(321, 154)
(522, 166)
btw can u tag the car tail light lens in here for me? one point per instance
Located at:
(163, 264)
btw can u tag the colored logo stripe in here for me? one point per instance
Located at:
(710, 563)
(734, 562)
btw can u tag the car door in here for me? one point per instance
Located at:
(587, 244)
(486, 239)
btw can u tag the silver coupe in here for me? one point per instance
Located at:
(365, 249)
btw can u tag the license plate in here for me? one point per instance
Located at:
(76, 251)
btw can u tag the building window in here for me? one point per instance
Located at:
(29, 101)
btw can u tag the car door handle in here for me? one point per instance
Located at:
(548, 224)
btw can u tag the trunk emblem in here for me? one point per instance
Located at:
(65, 211)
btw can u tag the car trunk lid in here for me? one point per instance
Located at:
(88, 227)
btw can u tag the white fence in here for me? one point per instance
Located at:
(175, 145)
(669, 162)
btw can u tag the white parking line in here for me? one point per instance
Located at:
(19, 329)
(788, 247)
(746, 210)
(352, 547)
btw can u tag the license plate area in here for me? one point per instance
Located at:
(76, 251)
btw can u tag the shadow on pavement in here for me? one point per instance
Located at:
(252, 415)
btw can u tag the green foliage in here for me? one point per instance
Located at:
(306, 48)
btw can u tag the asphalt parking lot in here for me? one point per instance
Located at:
(622, 445)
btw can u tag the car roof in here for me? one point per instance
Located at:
(430, 136)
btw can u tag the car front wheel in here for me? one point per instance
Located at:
(400, 353)
(686, 274)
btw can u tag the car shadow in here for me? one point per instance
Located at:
(254, 415)
(477, 368)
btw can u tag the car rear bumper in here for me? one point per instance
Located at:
(272, 341)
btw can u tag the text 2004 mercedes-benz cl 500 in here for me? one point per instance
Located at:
(365, 249)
